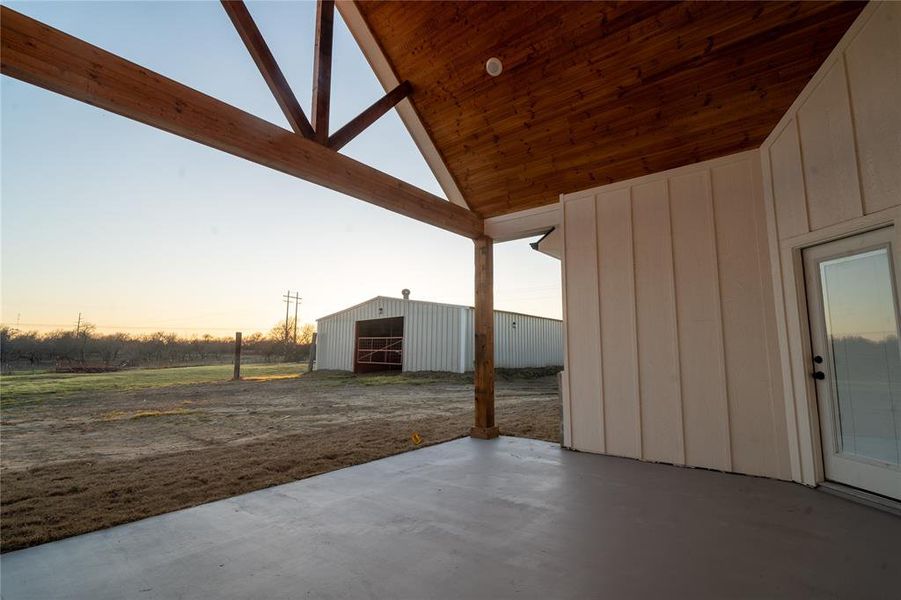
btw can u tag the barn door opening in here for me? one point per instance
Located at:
(379, 345)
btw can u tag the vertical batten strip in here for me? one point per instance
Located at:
(715, 250)
(617, 310)
(657, 339)
(843, 63)
(678, 329)
(566, 380)
(768, 317)
(636, 350)
(796, 123)
(600, 366)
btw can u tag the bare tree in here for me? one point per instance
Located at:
(306, 334)
(30, 349)
(85, 335)
(281, 332)
(282, 339)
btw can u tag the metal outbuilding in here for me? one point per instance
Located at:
(386, 333)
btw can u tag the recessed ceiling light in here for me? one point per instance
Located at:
(494, 66)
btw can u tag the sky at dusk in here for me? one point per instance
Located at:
(140, 230)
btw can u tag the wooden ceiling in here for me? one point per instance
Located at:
(597, 92)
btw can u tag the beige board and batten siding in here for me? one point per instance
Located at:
(671, 351)
(439, 337)
(832, 167)
(836, 155)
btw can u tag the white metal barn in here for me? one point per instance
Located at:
(385, 333)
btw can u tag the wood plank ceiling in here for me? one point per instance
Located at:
(597, 92)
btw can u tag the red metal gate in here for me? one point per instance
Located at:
(385, 351)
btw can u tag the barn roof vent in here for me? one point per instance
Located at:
(406, 293)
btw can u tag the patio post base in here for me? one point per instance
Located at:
(484, 433)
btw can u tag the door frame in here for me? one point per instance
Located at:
(862, 472)
(802, 413)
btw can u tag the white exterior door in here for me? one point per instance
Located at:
(852, 297)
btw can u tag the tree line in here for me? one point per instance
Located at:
(62, 348)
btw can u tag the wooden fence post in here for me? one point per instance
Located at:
(312, 356)
(237, 375)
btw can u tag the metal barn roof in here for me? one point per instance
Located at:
(376, 298)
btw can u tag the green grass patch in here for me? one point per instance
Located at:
(40, 386)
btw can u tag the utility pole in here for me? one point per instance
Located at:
(297, 300)
(288, 299)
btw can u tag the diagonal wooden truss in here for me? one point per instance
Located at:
(38, 54)
(318, 129)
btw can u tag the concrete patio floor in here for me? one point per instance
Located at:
(486, 519)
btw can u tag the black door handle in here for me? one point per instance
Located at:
(819, 375)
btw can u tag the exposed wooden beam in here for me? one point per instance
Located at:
(322, 68)
(369, 116)
(259, 51)
(484, 426)
(38, 54)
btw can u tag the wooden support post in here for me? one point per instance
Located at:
(484, 426)
(237, 374)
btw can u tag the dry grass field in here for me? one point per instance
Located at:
(100, 454)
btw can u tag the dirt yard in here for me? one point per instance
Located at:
(88, 460)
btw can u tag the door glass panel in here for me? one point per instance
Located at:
(862, 328)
